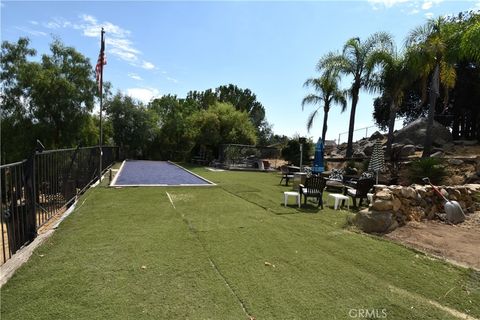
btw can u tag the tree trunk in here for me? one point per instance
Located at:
(325, 119)
(427, 148)
(391, 126)
(351, 126)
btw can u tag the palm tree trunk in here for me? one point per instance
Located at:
(391, 126)
(434, 92)
(325, 119)
(351, 126)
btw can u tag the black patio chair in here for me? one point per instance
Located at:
(286, 175)
(313, 188)
(359, 190)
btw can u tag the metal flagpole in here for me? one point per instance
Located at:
(102, 53)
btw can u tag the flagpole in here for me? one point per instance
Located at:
(101, 107)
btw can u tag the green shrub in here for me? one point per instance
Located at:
(427, 167)
(350, 167)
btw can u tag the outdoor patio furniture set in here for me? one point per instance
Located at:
(343, 189)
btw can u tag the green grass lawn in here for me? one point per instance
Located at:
(129, 254)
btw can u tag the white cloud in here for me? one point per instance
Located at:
(117, 39)
(415, 4)
(57, 23)
(427, 5)
(32, 32)
(429, 15)
(143, 94)
(148, 65)
(386, 3)
(172, 79)
(35, 23)
(122, 48)
(92, 27)
(134, 76)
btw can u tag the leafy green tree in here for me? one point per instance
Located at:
(328, 92)
(291, 152)
(175, 138)
(16, 121)
(133, 126)
(356, 61)
(242, 100)
(222, 124)
(48, 100)
(62, 94)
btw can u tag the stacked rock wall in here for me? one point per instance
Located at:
(393, 206)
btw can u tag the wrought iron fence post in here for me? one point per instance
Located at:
(30, 193)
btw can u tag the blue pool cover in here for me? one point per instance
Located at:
(161, 173)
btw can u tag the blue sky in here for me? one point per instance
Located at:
(156, 47)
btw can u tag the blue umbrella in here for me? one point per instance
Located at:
(318, 166)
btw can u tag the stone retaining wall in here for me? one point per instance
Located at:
(393, 206)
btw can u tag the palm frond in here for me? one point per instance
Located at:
(311, 118)
(469, 47)
(311, 99)
(352, 50)
(448, 75)
(418, 35)
(332, 62)
(340, 98)
(379, 41)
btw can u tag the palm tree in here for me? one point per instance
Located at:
(435, 48)
(428, 50)
(394, 80)
(329, 93)
(356, 60)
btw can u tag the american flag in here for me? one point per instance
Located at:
(102, 60)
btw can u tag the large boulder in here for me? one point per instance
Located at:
(414, 133)
(407, 150)
(375, 136)
(374, 221)
(368, 148)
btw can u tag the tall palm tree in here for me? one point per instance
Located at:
(356, 61)
(329, 93)
(428, 50)
(435, 48)
(393, 81)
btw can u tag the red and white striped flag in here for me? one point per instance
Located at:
(102, 60)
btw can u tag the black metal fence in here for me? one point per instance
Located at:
(35, 190)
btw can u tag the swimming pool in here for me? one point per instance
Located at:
(139, 173)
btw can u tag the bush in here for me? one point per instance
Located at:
(427, 167)
(351, 167)
(291, 152)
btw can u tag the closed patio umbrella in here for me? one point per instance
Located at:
(318, 166)
(377, 160)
